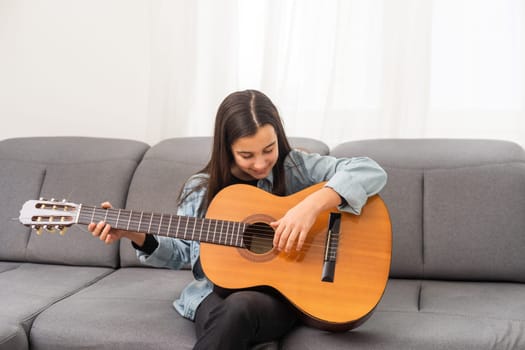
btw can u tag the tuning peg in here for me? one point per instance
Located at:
(37, 228)
(62, 230)
(50, 228)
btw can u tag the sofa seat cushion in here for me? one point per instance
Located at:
(30, 288)
(433, 315)
(7, 265)
(129, 309)
(499, 301)
(12, 335)
(402, 330)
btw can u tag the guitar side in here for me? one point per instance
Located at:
(362, 266)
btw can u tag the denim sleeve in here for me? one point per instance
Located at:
(354, 179)
(175, 253)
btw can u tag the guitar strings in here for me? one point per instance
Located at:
(261, 233)
(263, 229)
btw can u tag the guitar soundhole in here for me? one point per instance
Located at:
(258, 238)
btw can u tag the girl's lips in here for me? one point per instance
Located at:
(259, 173)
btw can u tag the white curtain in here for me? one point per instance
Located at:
(341, 70)
(337, 70)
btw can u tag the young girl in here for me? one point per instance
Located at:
(250, 146)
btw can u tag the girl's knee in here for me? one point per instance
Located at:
(237, 306)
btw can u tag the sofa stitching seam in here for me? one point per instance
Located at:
(515, 162)
(454, 314)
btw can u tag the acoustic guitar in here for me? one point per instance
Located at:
(335, 281)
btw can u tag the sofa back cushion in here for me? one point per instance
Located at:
(79, 169)
(166, 166)
(19, 181)
(457, 206)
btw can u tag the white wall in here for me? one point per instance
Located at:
(74, 68)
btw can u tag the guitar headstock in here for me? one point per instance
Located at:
(51, 215)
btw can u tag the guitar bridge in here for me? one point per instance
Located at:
(331, 245)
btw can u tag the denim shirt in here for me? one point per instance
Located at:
(354, 179)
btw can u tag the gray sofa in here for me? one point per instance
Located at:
(458, 264)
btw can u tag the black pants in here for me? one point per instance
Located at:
(242, 319)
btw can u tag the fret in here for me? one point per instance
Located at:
(221, 231)
(208, 232)
(226, 234)
(193, 231)
(178, 223)
(93, 215)
(186, 227)
(215, 231)
(118, 217)
(241, 240)
(232, 233)
(140, 221)
(108, 217)
(80, 215)
(157, 220)
(211, 233)
(129, 219)
(238, 235)
(150, 220)
(165, 224)
(202, 225)
(160, 223)
(169, 226)
(134, 221)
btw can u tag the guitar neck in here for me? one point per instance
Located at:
(221, 232)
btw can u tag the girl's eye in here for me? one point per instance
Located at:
(268, 150)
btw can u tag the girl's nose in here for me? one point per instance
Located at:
(260, 163)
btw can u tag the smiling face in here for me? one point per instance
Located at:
(249, 142)
(255, 156)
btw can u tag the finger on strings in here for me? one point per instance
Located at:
(291, 240)
(300, 241)
(284, 238)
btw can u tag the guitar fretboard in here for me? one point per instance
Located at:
(221, 232)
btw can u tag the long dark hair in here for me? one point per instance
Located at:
(240, 115)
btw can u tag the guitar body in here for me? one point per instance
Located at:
(361, 269)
